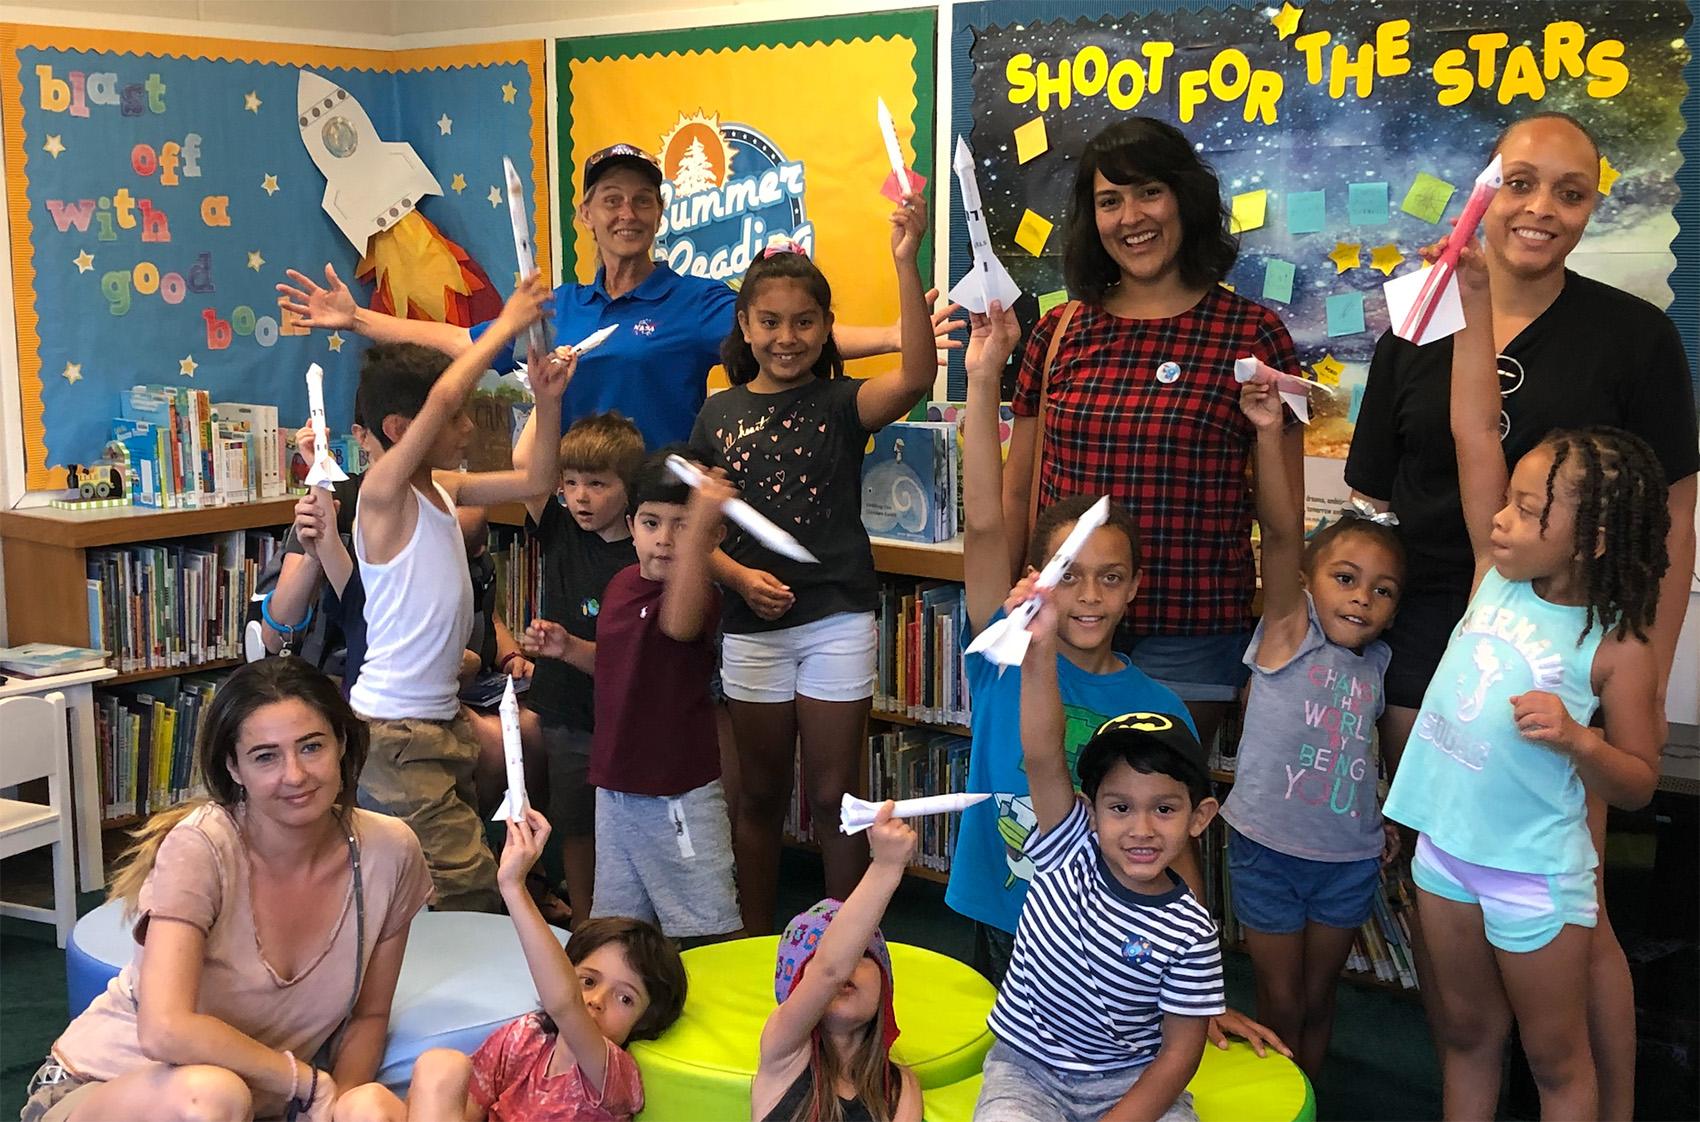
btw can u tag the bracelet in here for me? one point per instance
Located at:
(286, 630)
(294, 1074)
(502, 663)
(312, 1090)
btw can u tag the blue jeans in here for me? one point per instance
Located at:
(1019, 1088)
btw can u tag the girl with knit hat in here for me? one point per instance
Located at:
(826, 1051)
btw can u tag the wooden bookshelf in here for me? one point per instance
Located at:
(172, 671)
(891, 718)
(942, 561)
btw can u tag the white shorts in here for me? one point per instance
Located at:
(831, 659)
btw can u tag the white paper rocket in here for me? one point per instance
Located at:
(537, 335)
(987, 280)
(370, 184)
(513, 754)
(902, 180)
(1005, 641)
(856, 815)
(1294, 391)
(325, 469)
(746, 516)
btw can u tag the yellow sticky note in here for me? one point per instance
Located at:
(1031, 140)
(1328, 370)
(1033, 233)
(1608, 176)
(1049, 300)
(1249, 210)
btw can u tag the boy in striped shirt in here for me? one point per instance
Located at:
(1116, 970)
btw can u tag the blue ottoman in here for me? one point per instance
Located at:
(463, 976)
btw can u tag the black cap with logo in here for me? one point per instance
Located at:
(608, 159)
(1161, 729)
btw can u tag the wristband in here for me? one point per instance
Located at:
(286, 630)
(312, 1090)
(502, 663)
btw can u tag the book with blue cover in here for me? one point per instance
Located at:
(908, 480)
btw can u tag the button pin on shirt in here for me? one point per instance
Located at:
(1169, 373)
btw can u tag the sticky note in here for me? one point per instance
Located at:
(1307, 211)
(1278, 281)
(1427, 197)
(1345, 314)
(1033, 233)
(1031, 140)
(1357, 404)
(1250, 209)
(1366, 204)
(1049, 300)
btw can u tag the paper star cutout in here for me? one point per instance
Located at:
(1346, 255)
(269, 185)
(255, 260)
(508, 92)
(1286, 20)
(495, 196)
(251, 101)
(84, 261)
(54, 146)
(458, 184)
(1328, 370)
(335, 341)
(1386, 258)
(1608, 175)
(445, 125)
(73, 372)
(187, 366)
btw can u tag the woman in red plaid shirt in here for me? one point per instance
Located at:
(1140, 402)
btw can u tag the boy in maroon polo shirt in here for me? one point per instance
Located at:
(664, 848)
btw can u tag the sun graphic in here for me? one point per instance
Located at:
(695, 156)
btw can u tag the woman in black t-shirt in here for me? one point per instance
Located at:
(1572, 352)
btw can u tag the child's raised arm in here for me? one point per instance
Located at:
(1285, 618)
(1049, 783)
(885, 398)
(1482, 474)
(789, 1027)
(985, 560)
(552, 972)
(684, 602)
(532, 480)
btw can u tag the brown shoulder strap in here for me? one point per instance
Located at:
(1044, 392)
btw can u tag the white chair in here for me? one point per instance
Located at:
(35, 744)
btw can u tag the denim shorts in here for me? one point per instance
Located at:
(1277, 894)
(1196, 667)
(1521, 912)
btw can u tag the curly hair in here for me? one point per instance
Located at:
(1622, 519)
(1144, 150)
(735, 352)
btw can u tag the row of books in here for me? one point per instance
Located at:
(174, 604)
(181, 450)
(910, 763)
(923, 627)
(145, 735)
(912, 475)
(519, 575)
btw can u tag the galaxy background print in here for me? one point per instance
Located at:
(1397, 91)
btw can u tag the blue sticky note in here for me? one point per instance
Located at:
(1345, 314)
(1307, 211)
(1357, 403)
(1278, 281)
(1366, 204)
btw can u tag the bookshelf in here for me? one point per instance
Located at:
(47, 552)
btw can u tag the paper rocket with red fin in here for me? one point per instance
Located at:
(902, 180)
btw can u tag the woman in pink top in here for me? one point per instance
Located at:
(270, 922)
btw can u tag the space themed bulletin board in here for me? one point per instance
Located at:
(1345, 134)
(158, 187)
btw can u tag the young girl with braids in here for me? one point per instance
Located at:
(1569, 553)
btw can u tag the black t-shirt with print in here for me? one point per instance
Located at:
(1597, 356)
(577, 566)
(796, 456)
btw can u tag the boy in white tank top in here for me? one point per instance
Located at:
(418, 599)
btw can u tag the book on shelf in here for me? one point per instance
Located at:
(912, 763)
(909, 482)
(518, 561)
(175, 604)
(145, 741)
(41, 660)
(184, 452)
(922, 629)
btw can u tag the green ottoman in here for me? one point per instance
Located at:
(1231, 1086)
(700, 1070)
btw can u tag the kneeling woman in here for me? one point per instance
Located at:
(270, 922)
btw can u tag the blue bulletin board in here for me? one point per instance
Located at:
(159, 187)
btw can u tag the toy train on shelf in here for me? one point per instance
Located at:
(106, 479)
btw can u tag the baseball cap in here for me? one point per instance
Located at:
(1163, 730)
(605, 160)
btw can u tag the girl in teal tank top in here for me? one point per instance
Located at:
(1569, 552)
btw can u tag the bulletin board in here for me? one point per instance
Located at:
(158, 187)
(1344, 134)
(763, 131)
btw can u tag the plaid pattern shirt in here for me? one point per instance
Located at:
(1167, 441)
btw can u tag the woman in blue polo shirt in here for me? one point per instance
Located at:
(655, 368)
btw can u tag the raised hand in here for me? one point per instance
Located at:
(330, 306)
(991, 340)
(908, 224)
(890, 840)
(529, 303)
(1261, 404)
(551, 373)
(524, 846)
(315, 519)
